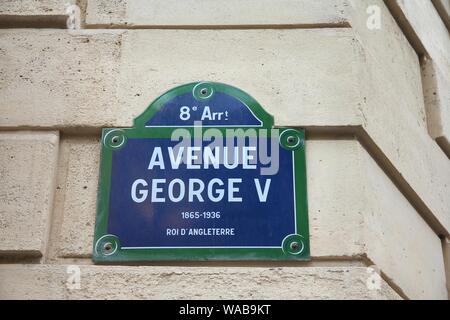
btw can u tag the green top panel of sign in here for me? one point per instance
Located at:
(202, 175)
(209, 103)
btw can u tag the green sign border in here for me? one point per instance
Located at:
(107, 247)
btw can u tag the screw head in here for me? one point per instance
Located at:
(107, 247)
(291, 139)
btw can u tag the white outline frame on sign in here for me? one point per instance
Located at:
(240, 247)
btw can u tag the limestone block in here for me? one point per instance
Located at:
(446, 249)
(388, 51)
(36, 13)
(33, 7)
(436, 88)
(335, 198)
(69, 78)
(303, 77)
(424, 20)
(27, 172)
(404, 140)
(443, 7)
(126, 282)
(355, 208)
(189, 13)
(104, 12)
(76, 196)
(393, 114)
(397, 239)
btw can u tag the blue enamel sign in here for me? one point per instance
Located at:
(202, 175)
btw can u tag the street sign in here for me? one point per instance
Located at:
(202, 175)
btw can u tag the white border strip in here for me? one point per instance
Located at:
(295, 194)
(240, 247)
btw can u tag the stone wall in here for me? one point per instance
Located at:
(369, 80)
